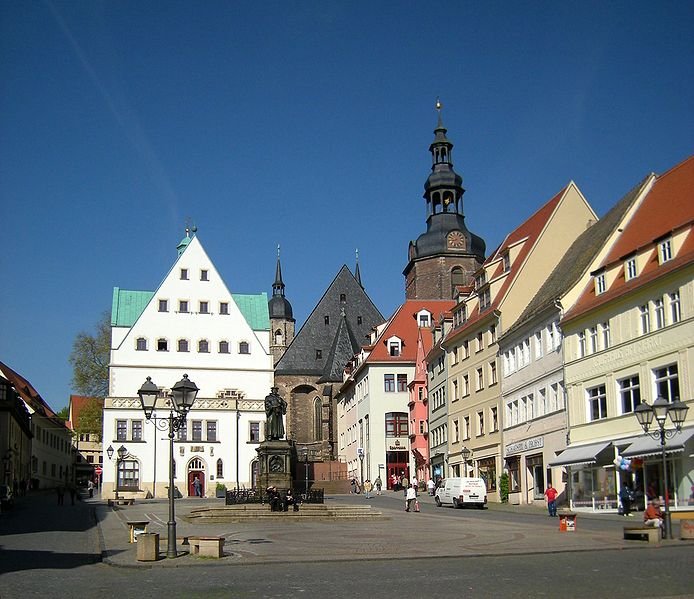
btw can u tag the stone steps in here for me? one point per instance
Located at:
(254, 511)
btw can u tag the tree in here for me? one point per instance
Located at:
(63, 414)
(90, 420)
(89, 358)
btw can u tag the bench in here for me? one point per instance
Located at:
(137, 527)
(207, 546)
(651, 533)
(121, 501)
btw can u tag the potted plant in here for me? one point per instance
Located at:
(504, 487)
(221, 491)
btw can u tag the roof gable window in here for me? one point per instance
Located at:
(184, 274)
(394, 345)
(424, 318)
(630, 271)
(600, 284)
(665, 250)
(162, 344)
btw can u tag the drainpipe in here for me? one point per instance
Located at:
(238, 417)
(569, 491)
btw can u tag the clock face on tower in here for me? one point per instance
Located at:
(456, 240)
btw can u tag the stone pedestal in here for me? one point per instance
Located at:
(275, 458)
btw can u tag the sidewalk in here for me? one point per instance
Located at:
(434, 532)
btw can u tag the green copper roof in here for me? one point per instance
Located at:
(254, 309)
(127, 306)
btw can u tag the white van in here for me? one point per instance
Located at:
(459, 492)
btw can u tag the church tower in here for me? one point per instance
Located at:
(281, 316)
(447, 254)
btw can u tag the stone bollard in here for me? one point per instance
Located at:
(686, 529)
(148, 547)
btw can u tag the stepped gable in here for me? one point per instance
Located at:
(334, 331)
(578, 257)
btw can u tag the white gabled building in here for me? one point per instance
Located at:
(192, 324)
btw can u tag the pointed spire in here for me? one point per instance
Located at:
(278, 285)
(357, 273)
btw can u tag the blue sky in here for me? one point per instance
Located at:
(304, 124)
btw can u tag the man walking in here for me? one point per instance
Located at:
(551, 494)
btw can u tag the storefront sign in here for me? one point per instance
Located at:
(399, 444)
(525, 445)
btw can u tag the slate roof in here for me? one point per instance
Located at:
(577, 259)
(339, 339)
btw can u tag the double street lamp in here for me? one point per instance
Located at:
(183, 395)
(660, 410)
(122, 452)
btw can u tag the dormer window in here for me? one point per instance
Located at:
(424, 318)
(480, 279)
(600, 285)
(665, 250)
(394, 345)
(507, 262)
(630, 269)
(485, 299)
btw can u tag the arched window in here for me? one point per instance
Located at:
(457, 278)
(243, 348)
(183, 345)
(203, 346)
(141, 344)
(220, 468)
(278, 337)
(317, 419)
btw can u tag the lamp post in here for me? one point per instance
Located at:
(304, 454)
(360, 451)
(120, 455)
(659, 411)
(183, 395)
(465, 453)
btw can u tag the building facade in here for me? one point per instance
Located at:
(628, 340)
(504, 286)
(192, 324)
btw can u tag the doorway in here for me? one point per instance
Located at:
(196, 469)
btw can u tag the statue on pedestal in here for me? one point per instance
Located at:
(275, 409)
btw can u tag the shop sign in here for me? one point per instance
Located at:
(525, 445)
(399, 444)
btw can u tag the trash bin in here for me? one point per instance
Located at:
(148, 547)
(686, 529)
(567, 522)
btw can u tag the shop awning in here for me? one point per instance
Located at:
(646, 446)
(580, 454)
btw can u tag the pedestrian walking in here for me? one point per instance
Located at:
(431, 486)
(90, 488)
(405, 484)
(367, 488)
(379, 484)
(410, 498)
(551, 494)
(197, 487)
(626, 495)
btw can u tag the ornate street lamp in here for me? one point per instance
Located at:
(659, 411)
(465, 453)
(109, 452)
(183, 395)
(304, 455)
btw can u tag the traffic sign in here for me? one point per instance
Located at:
(98, 470)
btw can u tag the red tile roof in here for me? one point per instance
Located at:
(77, 404)
(404, 325)
(27, 392)
(669, 205)
(531, 230)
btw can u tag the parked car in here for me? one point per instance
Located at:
(6, 497)
(462, 491)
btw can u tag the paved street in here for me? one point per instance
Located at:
(55, 551)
